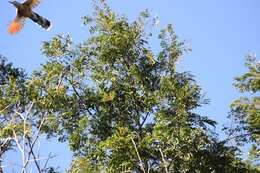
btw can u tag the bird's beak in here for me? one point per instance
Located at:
(11, 2)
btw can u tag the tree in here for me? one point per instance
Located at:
(21, 124)
(122, 107)
(245, 111)
(8, 76)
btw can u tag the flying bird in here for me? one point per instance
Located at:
(23, 11)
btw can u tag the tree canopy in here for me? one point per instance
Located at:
(120, 106)
(245, 110)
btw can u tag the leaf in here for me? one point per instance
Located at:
(108, 96)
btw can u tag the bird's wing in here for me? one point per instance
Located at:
(31, 3)
(16, 25)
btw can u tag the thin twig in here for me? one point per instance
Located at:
(5, 142)
(39, 129)
(140, 160)
(164, 162)
(20, 115)
(24, 134)
(31, 144)
(29, 110)
(144, 119)
(79, 96)
(47, 160)
(21, 150)
(34, 157)
(5, 108)
(17, 141)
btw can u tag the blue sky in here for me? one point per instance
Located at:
(220, 32)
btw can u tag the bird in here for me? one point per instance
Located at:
(25, 10)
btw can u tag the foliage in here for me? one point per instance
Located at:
(120, 106)
(21, 121)
(124, 109)
(11, 80)
(245, 111)
(9, 77)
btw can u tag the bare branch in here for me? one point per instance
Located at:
(5, 108)
(17, 141)
(29, 110)
(34, 157)
(21, 150)
(164, 162)
(144, 119)
(27, 142)
(140, 160)
(50, 156)
(21, 115)
(31, 144)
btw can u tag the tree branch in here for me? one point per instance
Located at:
(164, 162)
(140, 160)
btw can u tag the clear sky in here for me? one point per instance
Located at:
(221, 33)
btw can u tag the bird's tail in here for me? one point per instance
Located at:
(46, 24)
(15, 26)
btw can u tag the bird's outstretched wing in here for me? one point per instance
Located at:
(16, 25)
(32, 3)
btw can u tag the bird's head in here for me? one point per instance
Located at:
(15, 3)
